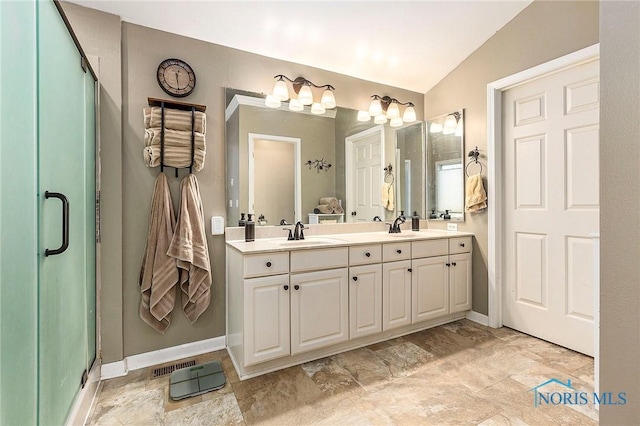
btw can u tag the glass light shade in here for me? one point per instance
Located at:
(317, 108)
(409, 115)
(272, 102)
(396, 122)
(380, 119)
(393, 111)
(450, 124)
(328, 100)
(375, 108)
(305, 96)
(458, 131)
(295, 105)
(364, 116)
(280, 90)
(435, 128)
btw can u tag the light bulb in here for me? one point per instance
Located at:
(272, 102)
(328, 100)
(305, 96)
(393, 111)
(375, 108)
(380, 119)
(295, 105)
(280, 90)
(364, 116)
(317, 108)
(458, 131)
(396, 122)
(435, 128)
(409, 115)
(450, 124)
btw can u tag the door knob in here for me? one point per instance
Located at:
(268, 264)
(296, 287)
(355, 278)
(65, 223)
(286, 287)
(367, 254)
(410, 270)
(353, 213)
(399, 251)
(453, 263)
(448, 264)
(461, 244)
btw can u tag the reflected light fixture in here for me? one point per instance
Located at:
(303, 88)
(383, 108)
(451, 123)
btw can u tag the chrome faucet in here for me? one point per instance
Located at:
(298, 233)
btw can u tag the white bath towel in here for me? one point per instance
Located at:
(174, 119)
(475, 195)
(189, 247)
(387, 196)
(159, 273)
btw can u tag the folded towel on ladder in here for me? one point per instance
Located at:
(475, 195)
(173, 157)
(159, 274)
(189, 247)
(176, 138)
(174, 119)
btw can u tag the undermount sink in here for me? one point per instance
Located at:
(309, 241)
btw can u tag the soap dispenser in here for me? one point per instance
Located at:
(241, 222)
(249, 229)
(415, 222)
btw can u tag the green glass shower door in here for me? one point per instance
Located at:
(66, 185)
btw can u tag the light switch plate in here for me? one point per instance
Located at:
(452, 226)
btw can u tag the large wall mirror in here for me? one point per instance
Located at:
(445, 167)
(281, 163)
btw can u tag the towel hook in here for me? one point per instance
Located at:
(473, 154)
(388, 173)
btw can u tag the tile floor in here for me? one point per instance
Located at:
(458, 373)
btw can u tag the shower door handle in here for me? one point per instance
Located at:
(65, 223)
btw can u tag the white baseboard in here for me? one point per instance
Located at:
(85, 398)
(478, 317)
(148, 359)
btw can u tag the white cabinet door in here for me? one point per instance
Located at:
(319, 309)
(365, 300)
(429, 288)
(396, 294)
(266, 318)
(460, 282)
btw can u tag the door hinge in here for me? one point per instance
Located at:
(98, 217)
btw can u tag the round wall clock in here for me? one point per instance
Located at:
(176, 77)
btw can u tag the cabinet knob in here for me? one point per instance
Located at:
(461, 244)
(355, 278)
(296, 287)
(367, 254)
(286, 287)
(268, 264)
(410, 269)
(448, 264)
(453, 263)
(399, 251)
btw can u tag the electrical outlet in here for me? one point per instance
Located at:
(452, 226)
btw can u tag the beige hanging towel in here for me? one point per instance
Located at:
(159, 274)
(189, 247)
(475, 195)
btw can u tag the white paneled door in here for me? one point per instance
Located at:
(551, 205)
(364, 156)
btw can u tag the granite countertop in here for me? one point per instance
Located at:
(340, 240)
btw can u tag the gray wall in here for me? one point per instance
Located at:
(543, 31)
(620, 195)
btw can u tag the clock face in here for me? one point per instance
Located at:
(176, 77)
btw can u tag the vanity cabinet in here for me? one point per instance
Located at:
(319, 309)
(429, 288)
(396, 294)
(365, 300)
(460, 282)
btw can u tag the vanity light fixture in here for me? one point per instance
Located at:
(319, 165)
(302, 87)
(451, 123)
(383, 108)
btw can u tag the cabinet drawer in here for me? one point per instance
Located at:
(311, 260)
(396, 251)
(460, 245)
(256, 265)
(429, 248)
(361, 255)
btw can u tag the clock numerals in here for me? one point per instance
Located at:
(176, 77)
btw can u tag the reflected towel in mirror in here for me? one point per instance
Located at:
(387, 196)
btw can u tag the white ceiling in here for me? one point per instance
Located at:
(406, 44)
